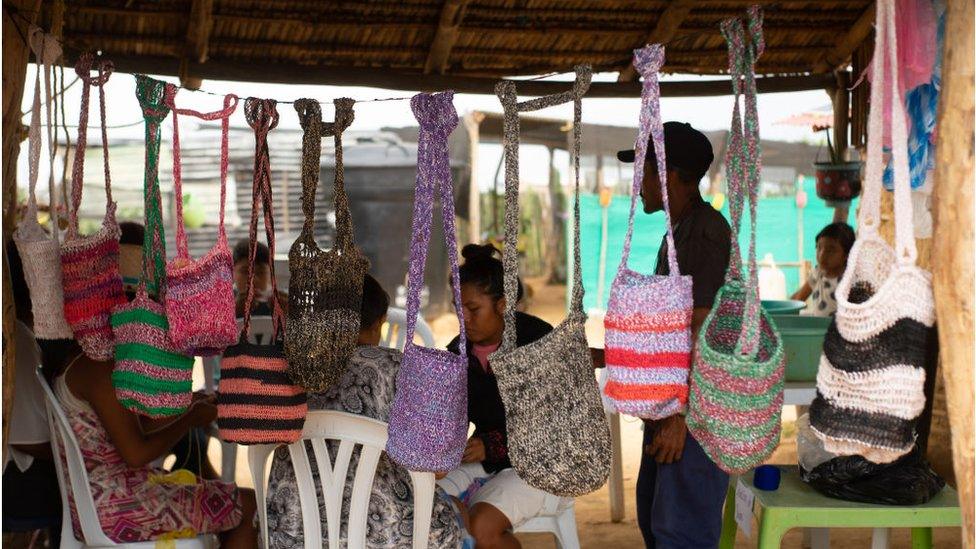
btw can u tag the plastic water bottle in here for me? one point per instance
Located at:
(772, 281)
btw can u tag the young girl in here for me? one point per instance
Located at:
(498, 499)
(834, 244)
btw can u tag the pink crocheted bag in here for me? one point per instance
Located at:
(200, 293)
(648, 322)
(90, 264)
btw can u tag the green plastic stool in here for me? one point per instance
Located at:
(797, 505)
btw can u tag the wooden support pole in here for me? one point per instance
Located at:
(838, 55)
(198, 31)
(472, 123)
(841, 99)
(952, 273)
(18, 15)
(665, 29)
(448, 29)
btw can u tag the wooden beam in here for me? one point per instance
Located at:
(198, 30)
(664, 30)
(838, 55)
(841, 99)
(448, 30)
(952, 278)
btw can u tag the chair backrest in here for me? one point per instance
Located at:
(395, 335)
(350, 431)
(63, 438)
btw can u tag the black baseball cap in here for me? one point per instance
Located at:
(684, 147)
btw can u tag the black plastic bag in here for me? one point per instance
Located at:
(906, 481)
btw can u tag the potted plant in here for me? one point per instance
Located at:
(837, 180)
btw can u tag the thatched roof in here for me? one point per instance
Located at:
(463, 44)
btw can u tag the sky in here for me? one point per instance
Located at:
(704, 113)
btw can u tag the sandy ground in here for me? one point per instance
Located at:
(593, 510)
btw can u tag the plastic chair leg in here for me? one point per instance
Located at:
(566, 535)
(771, 530)
(228, 461)
(921, 538)
(729, 527)
(879, 538)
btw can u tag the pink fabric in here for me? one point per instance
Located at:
(481, 352)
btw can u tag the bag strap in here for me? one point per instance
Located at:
(86, 63)
(262, 116)
(150, 93)
(437, 118)
(648, 62)
(886, 57)
(506, 92)
(230, 105)
(46, 50)
(310, 117)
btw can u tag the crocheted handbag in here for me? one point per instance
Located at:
(736, 385)
(200, 293)
(40, 252)
(326, 287)
(257, 402)
(152, 376)
(558, 436)
(648, 321)
(90, 264)
(429, 416)
(870, 386)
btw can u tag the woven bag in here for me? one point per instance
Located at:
(326, 287)
(152, 376)
(736, 385)
(90, 264)
(200, 293)
(648, 321)
(558, 436)
(870, 386)
(40, 252)
(257, 402)
(429, 416)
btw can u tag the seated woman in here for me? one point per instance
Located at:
(366, 389)
(498, 499)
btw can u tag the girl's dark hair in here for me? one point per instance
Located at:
(242, 248)
(132, 232)
(375, 302)
(484, 270)
(841, 232)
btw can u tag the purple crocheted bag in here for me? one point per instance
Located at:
(429, 418)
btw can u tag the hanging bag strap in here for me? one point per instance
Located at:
(648, 62)
(83, 68)
(506, 92)
(262, 116)
(438, 118)
(230, 105)
(150, 93)
(46, 51)
(734, 159)
(310, 117)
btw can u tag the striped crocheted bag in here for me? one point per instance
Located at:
(870, 386)
(429, 415)
(40, 252)
(152, 376)
(736, 385)
(257, 403)
(326, 286)
(648, 321)
(200, 293)
(90, 264)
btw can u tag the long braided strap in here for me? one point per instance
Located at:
(150, 93)
(262, 116)
(224, 114)
(310, 117)
(648, 62)
(438, 118)
(86, 63)
(46, 51)
(506, 92)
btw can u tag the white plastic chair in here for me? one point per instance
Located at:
(395, 336)
(91, 529)
(562, 525)
(350, 430)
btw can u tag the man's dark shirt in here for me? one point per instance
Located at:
(702, 238)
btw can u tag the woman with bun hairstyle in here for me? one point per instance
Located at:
(499, 501)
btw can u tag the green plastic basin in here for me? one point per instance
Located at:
(783, 307)
(803, 338)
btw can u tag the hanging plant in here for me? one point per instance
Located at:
(837, 180)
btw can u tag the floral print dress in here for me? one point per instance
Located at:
(366, 389)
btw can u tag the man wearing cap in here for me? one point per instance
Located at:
(680, 491)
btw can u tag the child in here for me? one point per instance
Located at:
(834, 243)
(263, 263)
